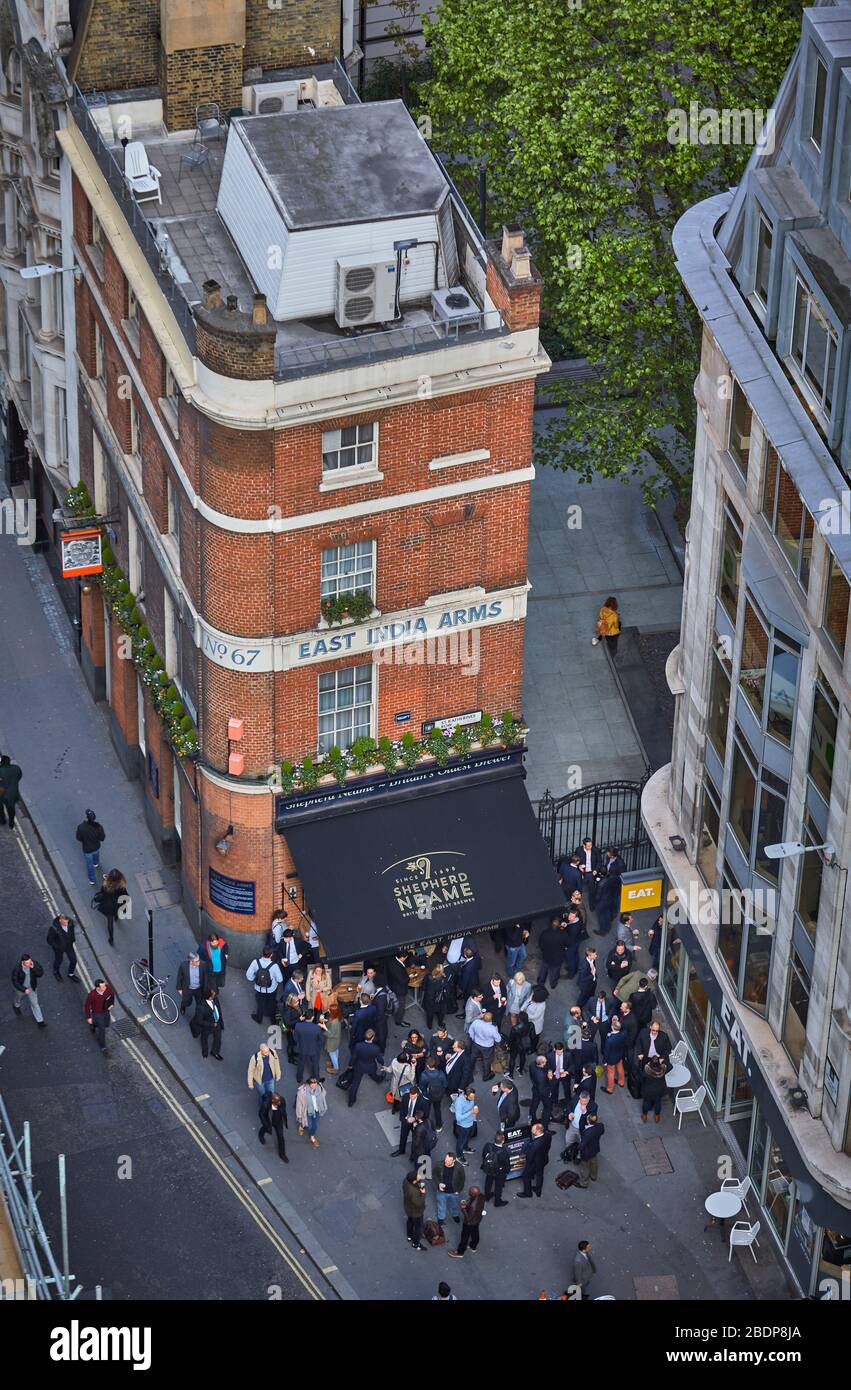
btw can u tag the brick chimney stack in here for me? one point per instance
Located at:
(513, 283)
(231, 342)
(201, 57)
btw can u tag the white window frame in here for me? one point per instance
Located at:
(331, 585)
(135, 431)
(762, 223)
(822, 65)
(813, 309)
(326, 741)
(333, 448)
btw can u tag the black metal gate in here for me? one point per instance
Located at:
(610, 812)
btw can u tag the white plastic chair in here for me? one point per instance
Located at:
(679, 1053)
(744, 1234)
(740, 1188)
(143, 178)
(688, 1102)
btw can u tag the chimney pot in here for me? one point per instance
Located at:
(259, 313)
(232, 304)
(212, 291)
(513, 237)
(521, 264)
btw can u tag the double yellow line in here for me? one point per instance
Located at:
(177, 1109)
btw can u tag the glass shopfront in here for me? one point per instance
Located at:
(819, 1258)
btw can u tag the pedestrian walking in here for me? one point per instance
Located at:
(414, 1201)
(437, 996)
(472, 1211)
(100, 1002)
(309, 1037)
(552, 944)
(415, 1106)
(507, 1104)
(516, 941)
(25, 977)
(111, 900)
(537, 1158)
(444, 1294)
(273, 1120)
(484, 1038)
(214, 951)
(91, 836)
(587, 980)
(496, 1165)
(365, 1061)
(311, 1104)
(608, 625)
(653, 1088)
(61, 937)
(449, 1180)
(589, 1149)
(265, 975)
(193, 983)
(614, 1052)
(519, 1043)
(209, 1024)
(333, 1021)
(264, 1071)
(432, 1083)
(584, 1267)
(465, 1111)
(10, 781)
(518, 993)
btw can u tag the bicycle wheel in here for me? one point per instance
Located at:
(164, 1008)
(139, 976)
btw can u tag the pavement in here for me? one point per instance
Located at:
(342, 1201)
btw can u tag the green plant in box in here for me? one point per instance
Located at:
(438, 745)
(288, 778)
(362, 754)
(410, 749)
(309, 774)
(387, 755)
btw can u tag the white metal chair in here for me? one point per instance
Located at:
(679, 1053)
(208, 122)
(742, 1233)
(142, 177)
(688, 1102)
(740, 1188)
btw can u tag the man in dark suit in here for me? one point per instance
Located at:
(590, 865)
(552, 944)
(569, 875)
(365, 1061)
(210, 1024)
(652, 1042)
(642, 1002)
(537, 1158)
(458, 1069)
(193, 984)
(618, 963)
(308, 1040)
(468, 975)
(273, 1120)
(587, 981)
(573, 940)
(396, 975)
(589, 1148)
(362, 1018)
(415, 1107)
(507, 1103)
(607, 897)
(629, 1028)
(544, 1089)
(380, 1003)
(598, 1014)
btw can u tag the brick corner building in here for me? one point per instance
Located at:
(304, 381)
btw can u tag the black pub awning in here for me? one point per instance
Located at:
(442, 856)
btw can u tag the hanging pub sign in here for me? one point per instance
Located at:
(81, 552)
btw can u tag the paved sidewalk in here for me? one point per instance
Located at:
(344, 1198)
(576, 715)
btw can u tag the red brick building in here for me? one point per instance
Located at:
(259, 445)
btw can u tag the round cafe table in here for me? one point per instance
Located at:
(721, 1206)
(678, 1076)
(416, 979)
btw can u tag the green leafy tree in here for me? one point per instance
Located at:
(569, 102)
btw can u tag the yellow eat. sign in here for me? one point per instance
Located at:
(646, 893)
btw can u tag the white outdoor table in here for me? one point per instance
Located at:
(678, 1076)
(721, 1206)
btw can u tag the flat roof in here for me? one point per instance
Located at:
(344, 164)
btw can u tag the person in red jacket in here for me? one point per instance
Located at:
(99, 1005)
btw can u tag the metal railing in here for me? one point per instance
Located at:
(368, 348)
(610, 812)
(135, 218)
(43, 1279)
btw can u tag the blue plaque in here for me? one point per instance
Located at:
(233, 894)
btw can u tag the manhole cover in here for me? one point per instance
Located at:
(653, 1157)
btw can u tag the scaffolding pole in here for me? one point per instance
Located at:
(41, 1272)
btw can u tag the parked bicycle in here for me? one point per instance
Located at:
(163, 1007)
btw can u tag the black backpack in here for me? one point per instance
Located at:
(263, 978)
(490, 1160)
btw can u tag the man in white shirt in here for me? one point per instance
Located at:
(484, 1037)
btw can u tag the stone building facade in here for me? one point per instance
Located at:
(756, 964)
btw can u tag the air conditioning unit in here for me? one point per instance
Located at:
(270, 98)
(366, 291)
(455, 306)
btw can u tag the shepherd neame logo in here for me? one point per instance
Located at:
(428, 883)
(76, 1343)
